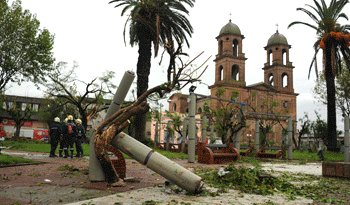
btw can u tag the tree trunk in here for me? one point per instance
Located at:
(18, 130)
(331, 111)
(143, 71)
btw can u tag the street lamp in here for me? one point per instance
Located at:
(192, 88)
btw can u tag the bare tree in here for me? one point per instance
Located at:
(63, 86)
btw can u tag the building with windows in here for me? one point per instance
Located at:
(32, 126)
(277, 86)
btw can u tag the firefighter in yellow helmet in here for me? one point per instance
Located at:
(80, 138)
(55, 133)
(69, 136)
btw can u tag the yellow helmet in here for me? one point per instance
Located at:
(78, 121)
(70, 117)
(57, 119)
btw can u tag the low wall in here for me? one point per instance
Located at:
(336, 169)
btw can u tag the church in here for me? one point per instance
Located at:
(277, 86)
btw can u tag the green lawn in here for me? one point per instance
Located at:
(9, 160)
(36, 146)
(39, 146)
(310, 156)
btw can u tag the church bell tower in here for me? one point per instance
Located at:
(230, 60)
(278, 70)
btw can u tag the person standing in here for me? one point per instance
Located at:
(55, 133)
(69, 136)
(61, 141)
(80, 138)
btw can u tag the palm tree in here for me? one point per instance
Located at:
(333, 39)
(157, 22)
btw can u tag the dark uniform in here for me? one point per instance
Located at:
(80, 138)
(69, 137)
(55, 133)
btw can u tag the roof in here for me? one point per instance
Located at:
(262, 86)
(277, 38)
(230, 28)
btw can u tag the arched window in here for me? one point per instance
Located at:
(186, 110)
(220, 47)
(271, 80)
(284, 80)
(284, 57)
(235, 48)
(174, 107)
(269, 57)
(199, 110)
(235, 72)
(221, 73)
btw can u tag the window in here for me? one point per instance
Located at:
(35, 107)
(10, 105)
(24, 106)
(221, 47)
(174, 107)
(284, 57)
(221, 73)
(235, 72)
(270, 60)
(284, 80)
(40, 133)
(271, 80)
(285, 104)
(199, 110)
(235, 48)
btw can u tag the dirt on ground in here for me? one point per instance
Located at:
(65, 180)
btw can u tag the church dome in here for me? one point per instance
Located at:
(277, 38)
(230, 28)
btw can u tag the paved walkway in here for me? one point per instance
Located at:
(164, 194)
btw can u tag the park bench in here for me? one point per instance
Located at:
(172, 147)
(160, 146)
(261, 153)
(248, 151)
(1, 144)
(216, 153)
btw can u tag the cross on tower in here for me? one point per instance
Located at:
(230, 16)
(277, 27)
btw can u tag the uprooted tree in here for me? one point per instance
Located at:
(177, 78)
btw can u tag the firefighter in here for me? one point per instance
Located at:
(62, 139)
(80, 138)
(69, 136)
(55, 133)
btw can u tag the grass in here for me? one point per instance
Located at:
(36, 146)
(312, 157)
(9, 160)
(172, 155)
(39, 146)
(43, 147)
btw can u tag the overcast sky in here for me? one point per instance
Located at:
(90, 32)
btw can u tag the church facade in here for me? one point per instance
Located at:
(275, 95)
